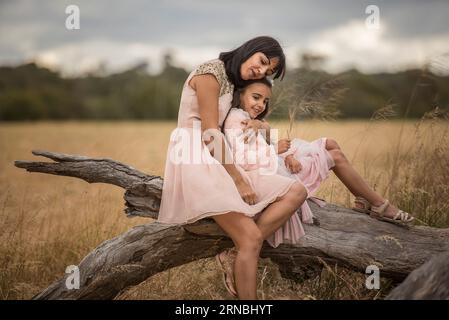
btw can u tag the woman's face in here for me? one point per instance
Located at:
(258, 66)
(254, 99)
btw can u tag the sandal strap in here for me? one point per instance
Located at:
(403, 216)
(229, 260)
(226, 262)
(379, 210)
(363, 202)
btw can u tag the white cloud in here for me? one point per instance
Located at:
(123, 34)
(78, 58)
(354, 45)
(350, 45)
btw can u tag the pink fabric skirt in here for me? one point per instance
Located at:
(198, 188)
(316, 163)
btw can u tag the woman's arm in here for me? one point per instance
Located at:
(207, 90)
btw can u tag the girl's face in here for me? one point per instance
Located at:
(258, 66)
(254, 99)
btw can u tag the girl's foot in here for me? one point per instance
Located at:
(390, 213)
(384, 211)
(361, 205)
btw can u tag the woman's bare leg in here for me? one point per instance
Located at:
(277, 213)
(248, 241)
(271, 219)
(352, 179)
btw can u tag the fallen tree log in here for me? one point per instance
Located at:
(428, 282)
(344, 237)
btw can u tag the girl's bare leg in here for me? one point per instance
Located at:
(352, 179)
(277, 213)
(248, 241)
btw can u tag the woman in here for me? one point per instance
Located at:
(200, 180)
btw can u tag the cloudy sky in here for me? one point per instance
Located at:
(120, 34)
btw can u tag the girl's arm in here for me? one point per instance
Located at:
(208, 89)
(254, 125)
(282, 145)
(289, 152)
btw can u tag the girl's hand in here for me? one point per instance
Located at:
(292, 164)
(246, 192)
(283, 145)
(252, 127)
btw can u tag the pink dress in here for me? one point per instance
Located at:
(196, 185)
(316, 163)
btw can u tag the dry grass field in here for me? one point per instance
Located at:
(49, 222)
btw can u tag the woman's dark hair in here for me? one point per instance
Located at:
(234, 59)
(236, 99)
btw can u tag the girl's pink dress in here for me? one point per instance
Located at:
(260, 162)
(316, 163)
(196, 185)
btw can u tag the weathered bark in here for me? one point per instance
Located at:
(428, 282)
(350, 239)
(143, 191)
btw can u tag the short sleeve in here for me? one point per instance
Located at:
(217, 69)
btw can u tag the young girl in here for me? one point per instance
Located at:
(310, 162)
(257, 157)
(251, 103)
(307, 162)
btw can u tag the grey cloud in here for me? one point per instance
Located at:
(34, 26)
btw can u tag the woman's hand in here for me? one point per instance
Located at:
(252, 127)
(292, 164)
(283, 145)
(246, 192)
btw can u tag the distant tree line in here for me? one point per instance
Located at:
(30, 92)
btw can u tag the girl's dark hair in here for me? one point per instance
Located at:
(234, 59)
(236, 99)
